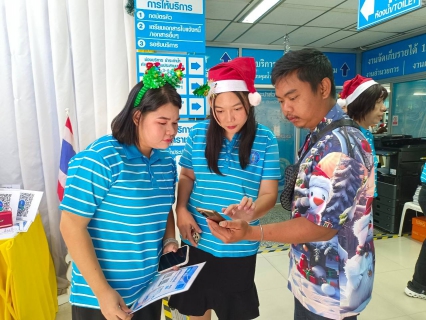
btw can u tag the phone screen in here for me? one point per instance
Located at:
(171, 259)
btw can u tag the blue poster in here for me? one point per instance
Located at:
(170, 26)
(396, 59)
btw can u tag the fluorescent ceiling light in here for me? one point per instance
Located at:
(419, 94)
(259, 10)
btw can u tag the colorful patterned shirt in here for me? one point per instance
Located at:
(335, 189)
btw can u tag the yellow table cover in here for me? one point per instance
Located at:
(28, 289)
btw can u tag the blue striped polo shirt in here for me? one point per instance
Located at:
(213, 191)
(423, 176)
(369, 137)
(128, 198)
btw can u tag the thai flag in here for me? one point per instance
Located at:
(67, 152)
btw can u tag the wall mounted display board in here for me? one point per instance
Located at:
(215, 55)
(170, 26)
(344, 64)
(396, 59)
(372, 12)
(192, 106)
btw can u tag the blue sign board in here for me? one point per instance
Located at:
(265, 61)
(396, 59)
(170, 26)
(215, 55)
(371, 12)
(192, 106)
(344, 64)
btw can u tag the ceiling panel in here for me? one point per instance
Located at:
(349, 4)
(214, 27)
(224, 9)
(233, 32)
(332, 38)
(306, 35)
(404, 23)
(334, 18)
(323, 3)
(421, 13)
(265, 33)
(360, 39)
(293, 15)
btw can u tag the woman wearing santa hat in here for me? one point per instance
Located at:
(231, 165)
(363, 98)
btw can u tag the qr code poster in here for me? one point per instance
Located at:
(9, 199)
(28, 204)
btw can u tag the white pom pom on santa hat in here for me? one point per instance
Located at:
(341, 102)
(235, 75)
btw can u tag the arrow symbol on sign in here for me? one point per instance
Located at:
(195, 85)
(367, 8)
(195, 106)
(225, 57)
(345, 68)
(195, 65)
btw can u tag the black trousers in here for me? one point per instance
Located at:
(150, 312)
(419, 277)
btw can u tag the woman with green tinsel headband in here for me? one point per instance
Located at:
(117, 214)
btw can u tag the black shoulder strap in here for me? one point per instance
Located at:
(330, 127)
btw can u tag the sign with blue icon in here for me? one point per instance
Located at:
(192, 106)
(170, 26)
(215, 55)
(344, 64)
(396, 59)
(372, 12)
(179, 142)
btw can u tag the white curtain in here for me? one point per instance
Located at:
(57, 55)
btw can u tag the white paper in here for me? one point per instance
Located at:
(8, 233)
(166, 284)
(10, 186)
(9, 200)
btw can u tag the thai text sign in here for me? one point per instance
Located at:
(371, 12)
(397, 59)
(170, 25)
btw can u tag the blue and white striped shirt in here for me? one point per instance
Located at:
(128, 198)
(213, 191)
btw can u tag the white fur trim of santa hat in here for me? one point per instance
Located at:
(234, 85)
(360, 89)
(320, 182)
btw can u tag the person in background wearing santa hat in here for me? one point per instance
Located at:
(304, 86)
(231, 165)
(364, 99)
(416, 288)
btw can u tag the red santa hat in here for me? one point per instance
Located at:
(235, 75)
(353, 88)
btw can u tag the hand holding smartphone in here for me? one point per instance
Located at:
(211, 214)
(171, 259)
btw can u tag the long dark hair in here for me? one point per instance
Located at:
(215, 135)
(123, 127)
(366, 102)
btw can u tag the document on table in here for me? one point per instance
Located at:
(166, 284)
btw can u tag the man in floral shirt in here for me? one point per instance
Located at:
(331, 231)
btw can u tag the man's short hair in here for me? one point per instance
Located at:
(310, 65)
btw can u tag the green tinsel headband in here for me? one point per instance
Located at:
(154, 79)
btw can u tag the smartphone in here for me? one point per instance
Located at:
(171, 259)
(211, 214)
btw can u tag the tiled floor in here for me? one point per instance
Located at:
(395, 259)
